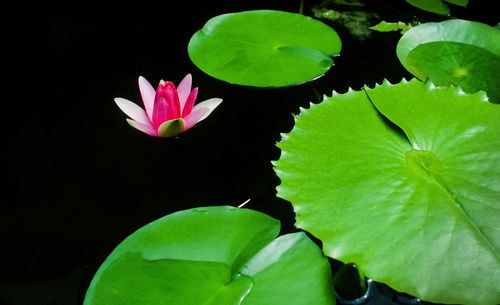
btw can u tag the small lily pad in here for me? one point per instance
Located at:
(404, 181)
(264, 48)
(213, 256)
(436, 6)
(384, 26)
(459, 52)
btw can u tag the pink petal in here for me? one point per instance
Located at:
(144, 127)
(132, 110)
(194, 117)
(183, 89)
(166, 106)
(148, 96)
(210, 104)
(188, 107)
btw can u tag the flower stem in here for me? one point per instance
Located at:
(301, 7)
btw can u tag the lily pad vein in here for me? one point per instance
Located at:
(442, 186)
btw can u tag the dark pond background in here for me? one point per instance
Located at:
(80, 179)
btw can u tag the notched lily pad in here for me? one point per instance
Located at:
(404, 181)
(214, 256)
(459, 52)
(264, 48)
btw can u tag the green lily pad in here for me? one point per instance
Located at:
(213, 256)
(436, 6)
(404, 181)
(459, 52)
(384, 26)
(264, 48)
(433, 6)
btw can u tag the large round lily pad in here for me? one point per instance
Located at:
(264, 48)
(404, 181)
(458, 52)
(213, 256)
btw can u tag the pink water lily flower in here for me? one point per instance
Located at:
(168, 110)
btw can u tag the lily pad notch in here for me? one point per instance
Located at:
(264, 48)
(217, 255)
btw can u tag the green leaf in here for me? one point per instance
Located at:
(433, 6)
(131, 279)
(402, 180)
(384, 26)
(458, 2)
(213, 256)
(264, 48)
(459, 52)
(291, 270)
(171, 128)
(436, 6)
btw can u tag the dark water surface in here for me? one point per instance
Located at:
(80, 179)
